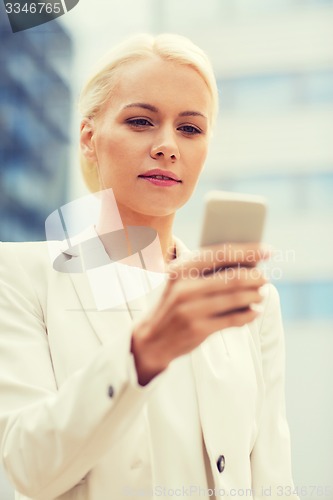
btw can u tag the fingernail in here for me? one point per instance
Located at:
(266, 250)
(257, 308)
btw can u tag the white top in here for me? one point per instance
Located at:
(74, 423)
(170, 439)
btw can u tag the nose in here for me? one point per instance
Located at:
(165, 147)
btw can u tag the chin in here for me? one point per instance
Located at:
(154, 208)
(159, 212)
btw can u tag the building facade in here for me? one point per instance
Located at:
(274, 64)
(35, 102)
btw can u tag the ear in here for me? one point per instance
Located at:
(87, 144)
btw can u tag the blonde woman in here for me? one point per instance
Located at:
(184, 399)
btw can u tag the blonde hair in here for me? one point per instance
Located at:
(99, 87)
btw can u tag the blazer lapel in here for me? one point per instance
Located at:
(103, 322)
(112, 295)
(101, 282)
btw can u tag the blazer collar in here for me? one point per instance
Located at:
(109, 279)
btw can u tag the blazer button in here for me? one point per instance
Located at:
(110, 391)
(220, 463)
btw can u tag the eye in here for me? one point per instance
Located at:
(139, 122)
(190, 129)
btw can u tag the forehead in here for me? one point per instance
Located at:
(161, 83)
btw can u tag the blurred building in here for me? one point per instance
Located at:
(274, 137)
(35, 101)
(274, 64)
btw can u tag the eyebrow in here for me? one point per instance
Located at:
(153, 109)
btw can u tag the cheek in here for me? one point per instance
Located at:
(110, 151)
(120, 148)
(196, 158)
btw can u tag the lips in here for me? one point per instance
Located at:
(162, 175)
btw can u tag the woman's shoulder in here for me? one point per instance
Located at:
(21, 246)
(26, 259)
(39, 258)
(26, 251)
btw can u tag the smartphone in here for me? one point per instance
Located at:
(232, 218)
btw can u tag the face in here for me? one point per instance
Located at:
(150, 141)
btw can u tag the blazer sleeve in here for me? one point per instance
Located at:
(49, 438)
(271, 454)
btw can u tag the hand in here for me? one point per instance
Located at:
(209, 290)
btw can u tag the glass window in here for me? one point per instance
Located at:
(274, 188)
(260, 92)
(244, 7)
(25, 182)
(300, 193)
(21, 67)
(306, 301)
(317, 2)
(15, 227)
(318, 87)
(320, 192)
(176, 12)
(276, 92)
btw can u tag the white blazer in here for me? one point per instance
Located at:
(73, 418)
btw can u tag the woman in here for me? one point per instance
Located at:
(185, 398)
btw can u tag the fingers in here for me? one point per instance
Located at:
(211, 259)
(226, 281)
(234, 319)
(189, 323)
(220, 304)
(212, 289)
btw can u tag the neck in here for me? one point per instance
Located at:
(114, 217)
